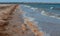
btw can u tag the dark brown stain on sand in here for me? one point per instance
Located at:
(4, 19)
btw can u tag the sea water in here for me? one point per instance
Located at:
(46, 15)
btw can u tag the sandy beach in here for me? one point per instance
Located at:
(12, 22)
(20, 20)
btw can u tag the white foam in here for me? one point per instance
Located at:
(29, 18)
(53, 16)
(31, 7)
(27, 6)
(43, 13)
(51, 7)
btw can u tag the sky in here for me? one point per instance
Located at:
(50, 1)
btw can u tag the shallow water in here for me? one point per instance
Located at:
(47, 24)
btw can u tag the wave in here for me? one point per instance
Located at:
(51, 7)
(43, 12)
(27, 6)
(36, 24)
(33, 8)
(50, 14)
